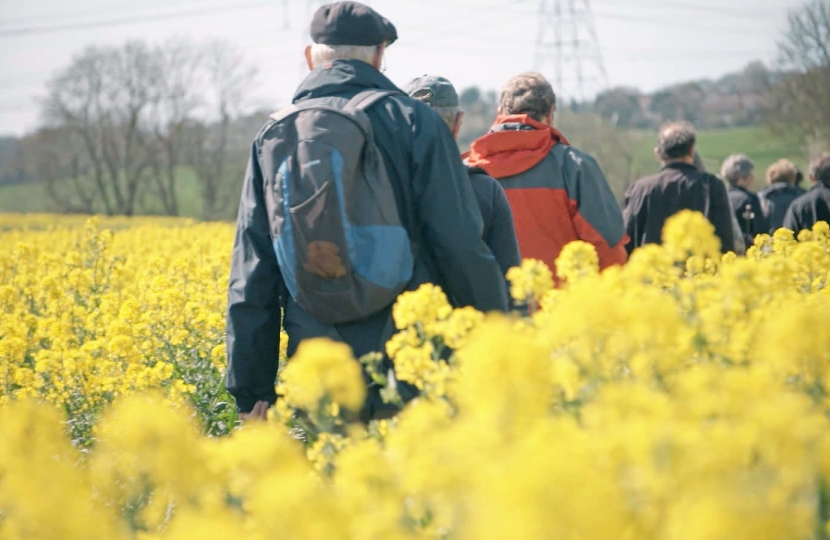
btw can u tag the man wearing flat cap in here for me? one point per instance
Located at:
(435, 204)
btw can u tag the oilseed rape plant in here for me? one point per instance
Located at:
(683, 396)
(89, 315)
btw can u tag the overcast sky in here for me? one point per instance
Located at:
(644, 43)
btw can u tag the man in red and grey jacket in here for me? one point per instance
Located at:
(558, 194)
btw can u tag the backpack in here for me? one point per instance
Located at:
(340, 245)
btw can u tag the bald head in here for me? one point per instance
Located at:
(676, 142)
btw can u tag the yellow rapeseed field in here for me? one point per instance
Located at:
(681, 397)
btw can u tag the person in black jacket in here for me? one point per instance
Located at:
(679, 185)
(740, 245)
(780, 192)
(813, 206)
(432, 191)
(738, 171)
(499, 233)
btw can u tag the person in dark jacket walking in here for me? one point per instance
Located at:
(432, 193)
(780, 192)
(813, 206)
(740, 245)
(679, 185)
(558, 194)
(499, 233)
(738, 171)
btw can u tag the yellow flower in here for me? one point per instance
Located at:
(530, 281)
(324, 450)
(683, 395)
(414, 364)
(424, 307)
(578, 259)
(323, 368)
(689, 233)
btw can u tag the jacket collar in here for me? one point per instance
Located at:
(734, 187)
(512, 126)
(342, 77)
(515, 143)
(779, 186)
(679, 165)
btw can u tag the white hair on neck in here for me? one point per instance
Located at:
(321, 53)
(448, 113)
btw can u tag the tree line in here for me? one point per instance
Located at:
(121, 127)
(130, 129)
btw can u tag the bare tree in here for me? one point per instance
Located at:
(132, 119)
(803, 94)
(57, 156)
(613, 148)
(228, 82)
(101, 97)
(176, 98)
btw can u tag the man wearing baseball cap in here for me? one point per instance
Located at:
(434, 199)
(499, 233)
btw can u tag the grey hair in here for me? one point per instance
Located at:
(820, 168)
(675, 140)
(321, 53)
(448, 113)
(735, 167)
(528, 93)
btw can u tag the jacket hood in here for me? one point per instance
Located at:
(735, 187)
(342, 77)
(781, 186)
(515, 144)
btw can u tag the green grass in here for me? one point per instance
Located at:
(762, 146)
(33, 198)
(714, 146)
(24, 198)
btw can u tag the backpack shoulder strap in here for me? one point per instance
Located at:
(365, 99)
(362, 101)
(282, 114)
(294, 108)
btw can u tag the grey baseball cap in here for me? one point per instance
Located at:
(433, 90)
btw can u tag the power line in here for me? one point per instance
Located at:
(710, 9)
(468, 25)
(36, 18)
(32, 30)
(685, 26)
(461, 28)
(202, 10)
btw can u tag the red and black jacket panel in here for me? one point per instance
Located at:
(563, 198)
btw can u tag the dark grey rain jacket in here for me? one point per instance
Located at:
(809, 209)
(747, 208)
(499, 232)
(775, 201)
(436, 205)
(652, 200)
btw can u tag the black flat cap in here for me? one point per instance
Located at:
(351, 23)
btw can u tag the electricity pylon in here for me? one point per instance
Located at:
(567, 49)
